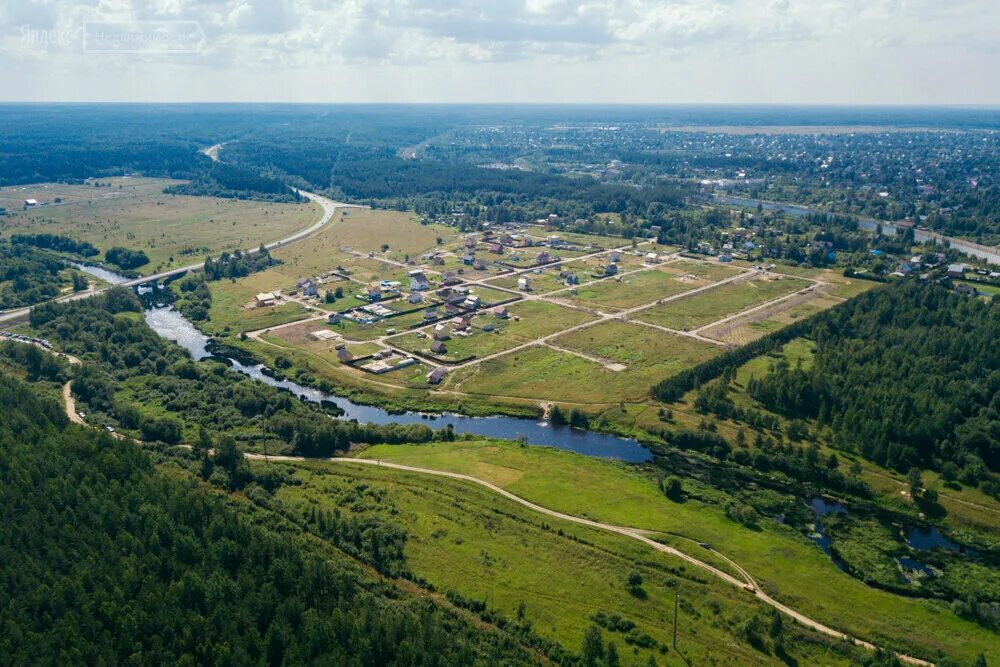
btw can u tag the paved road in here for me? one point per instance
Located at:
(747, 584)
(329, 208)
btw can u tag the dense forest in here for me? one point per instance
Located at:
(908, 376)
(107, 561)
(29, 275)
(223, 180)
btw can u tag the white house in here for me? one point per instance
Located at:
(524, 284)
(31, 202)
(418, 281)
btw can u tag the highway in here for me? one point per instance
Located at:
(329, 209)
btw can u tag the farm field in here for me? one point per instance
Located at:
(173, 230)
(706, 307)
(552, 574)
(535, 320)
(782, 561)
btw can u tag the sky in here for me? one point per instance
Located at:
(925, 52)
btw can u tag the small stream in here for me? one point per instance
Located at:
(170, 324)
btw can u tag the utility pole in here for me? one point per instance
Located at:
(676, 605)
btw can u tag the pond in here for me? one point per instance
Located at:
(926, 539)
(170, 324)
(822, 507)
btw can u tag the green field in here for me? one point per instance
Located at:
(706, 307)
(551, 574)
(173, 230)
(786, 564)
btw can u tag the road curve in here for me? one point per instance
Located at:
(748, 585)
(329, 209)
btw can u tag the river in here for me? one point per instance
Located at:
(170, 324)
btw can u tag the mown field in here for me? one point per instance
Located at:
(173, 230)
(553, 575)
(785, 563)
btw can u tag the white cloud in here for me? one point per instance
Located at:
(545, 39)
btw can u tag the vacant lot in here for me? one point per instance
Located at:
(563, 375)
(645, 351)
(542, 282)
(706, 307)
(743, 330)
(173, 230)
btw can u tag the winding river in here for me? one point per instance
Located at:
(170, 324)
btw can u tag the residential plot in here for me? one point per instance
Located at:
(573, 376)
(628, 291)
(173, 230)
(761, 322)
(543, 281)
(642, 350)
(487, 334)
(706, 307)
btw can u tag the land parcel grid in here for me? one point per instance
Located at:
(525, 322)
(704, 308)
(602, 364)
(173, 230)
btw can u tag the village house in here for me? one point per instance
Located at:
(30, 202)
(543, 258)
(431, 313)
(265, 299)
(651, 258)
(615, 256)
(496, 249)
(438, 347)
(725, 257)
(470, 241)
(307, 288)
(415, 297)
(418, 281)
(442, 332)
(966, 290)
(611, 269)
(468, 259)
(956, 270)
(333, 318)
(343, 356)
(501, 313)
(471, 302)
(524, 284)
(450, 278)
(436, 375)
(479, 265)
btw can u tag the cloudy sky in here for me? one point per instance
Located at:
(651, 51)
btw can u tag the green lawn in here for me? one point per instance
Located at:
(634, 289)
